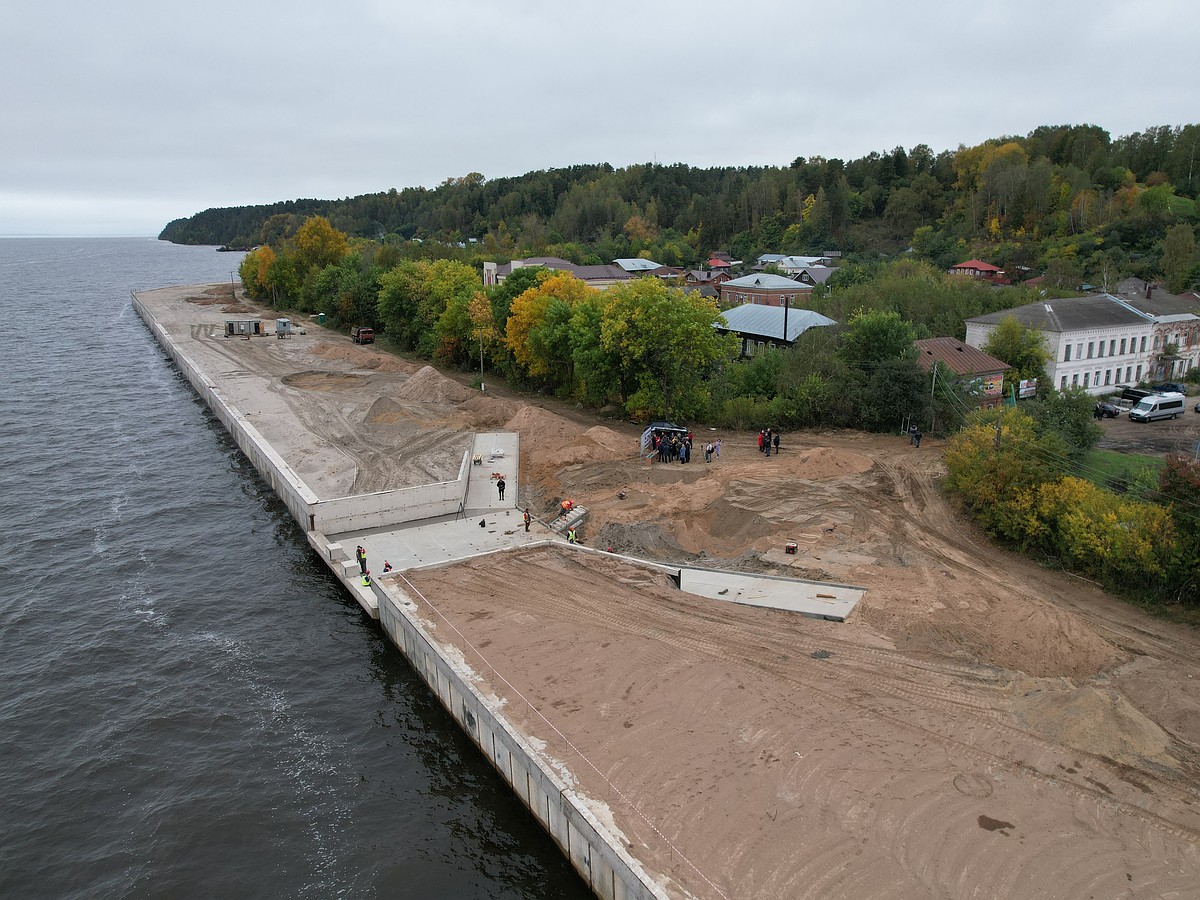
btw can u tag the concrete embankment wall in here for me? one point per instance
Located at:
(397, 507)
(282, 478)
(593, 851)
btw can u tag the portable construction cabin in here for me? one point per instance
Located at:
(243, 326)
(283, 326)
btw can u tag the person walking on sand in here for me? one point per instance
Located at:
(917, 439)
(525, 519)
(775, 440)
(500, 487)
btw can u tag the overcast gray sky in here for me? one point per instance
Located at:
(118, 117)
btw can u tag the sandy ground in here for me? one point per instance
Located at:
(981, 727)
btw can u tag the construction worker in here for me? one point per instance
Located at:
(366, 579)
(387, 566)
(571, 538)
(525, 518)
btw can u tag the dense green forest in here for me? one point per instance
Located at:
(1067, 200)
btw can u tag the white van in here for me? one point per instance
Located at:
(1157, 406)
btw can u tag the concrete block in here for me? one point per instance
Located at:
(520, 781)
(603, 879)
(580, 852)
(556, 822)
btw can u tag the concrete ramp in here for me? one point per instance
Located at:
(810, 598)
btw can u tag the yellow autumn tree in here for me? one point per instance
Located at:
(537, 331)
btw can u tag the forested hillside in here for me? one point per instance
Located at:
(1068, 199)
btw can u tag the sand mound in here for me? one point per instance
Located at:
(610, 440)
(361, 358)
(830, 462)
(487, 411)
(386, 411)
(1097, 720)
(542, 428)
(735, 526)
(431, 386)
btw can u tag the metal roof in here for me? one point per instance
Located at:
(769, 282)
(962, 359)
(1070, 314)
(637, 265)
(755, 320)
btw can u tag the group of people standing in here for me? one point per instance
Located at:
(766, 439)
(677, 446)
(672, 446)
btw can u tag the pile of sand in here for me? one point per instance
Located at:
(360, 357)
(430, 386)
(829, 462)
(1097, 720)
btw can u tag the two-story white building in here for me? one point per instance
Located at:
(1096, 342)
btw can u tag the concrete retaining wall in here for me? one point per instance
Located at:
(286, 483)
(397, 507)
(595, 854)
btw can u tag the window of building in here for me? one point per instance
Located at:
(1112, 347)
(1156, 342)
(1143, 350)
(1075, 380)
(1100, 349)
(1128, 373)
(1086, 375)
(1122, 346)
(1079, 351)
(1108, 376)
(1067, 354)
(1063, 385)
(1091, 349)
(1139, 370)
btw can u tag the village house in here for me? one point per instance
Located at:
(967, 363)
(760, 326)
(765, 290)
(976, 268)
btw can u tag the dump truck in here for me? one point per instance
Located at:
(362, 335)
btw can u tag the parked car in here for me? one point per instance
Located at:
(1107, 411)
(1171, 387)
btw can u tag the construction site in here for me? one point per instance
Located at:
(972, 725)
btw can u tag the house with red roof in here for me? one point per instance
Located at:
(950, 355)
(977, 268)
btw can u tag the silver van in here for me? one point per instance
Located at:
(1157, 406)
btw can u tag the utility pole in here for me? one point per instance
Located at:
(999, 419)
(932, 401)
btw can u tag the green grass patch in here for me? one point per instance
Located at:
(1121, 472)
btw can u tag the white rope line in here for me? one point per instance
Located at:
(564, 738)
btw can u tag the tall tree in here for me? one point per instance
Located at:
(1022, 347)
(668, 344)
